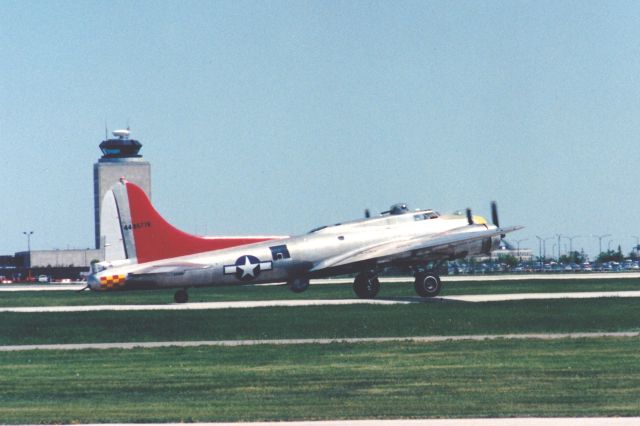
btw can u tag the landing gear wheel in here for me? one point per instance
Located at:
(181, 296)
(428, 284)
(366, 285)
(298, 285)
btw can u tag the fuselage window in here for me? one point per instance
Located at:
(280, 252)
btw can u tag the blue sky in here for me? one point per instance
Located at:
(276, 117)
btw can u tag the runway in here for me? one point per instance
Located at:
(41, 287)
(450, 278)
(321, 302)
(234, 343)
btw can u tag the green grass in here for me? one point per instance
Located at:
(431, 318)
(594, 377)
(590, 377)
(324, 291)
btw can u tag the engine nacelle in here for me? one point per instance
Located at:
(473, 248)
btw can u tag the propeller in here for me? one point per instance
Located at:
(494, 216)
(469, 216)
(367, 213)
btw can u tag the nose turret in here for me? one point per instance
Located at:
(93, 282)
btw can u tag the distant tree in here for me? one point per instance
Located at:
(508, 260)
(610, 256)
(573, 257)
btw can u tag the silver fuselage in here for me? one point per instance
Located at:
(280, 260)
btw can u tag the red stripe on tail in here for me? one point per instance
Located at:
(155, 238)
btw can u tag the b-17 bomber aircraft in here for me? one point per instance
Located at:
(152, 254)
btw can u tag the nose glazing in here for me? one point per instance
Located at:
(93, 282)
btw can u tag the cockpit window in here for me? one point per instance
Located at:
(426, 215)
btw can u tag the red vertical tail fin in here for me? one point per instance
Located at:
(147, 236)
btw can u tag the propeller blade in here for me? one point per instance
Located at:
(367, 213)
(494, 214)
(469, 217)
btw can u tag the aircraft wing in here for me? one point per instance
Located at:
(413, 247)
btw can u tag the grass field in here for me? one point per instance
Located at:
(450, 379)
(590, 377)
(433, 318)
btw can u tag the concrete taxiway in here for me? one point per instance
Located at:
(321, 302)
(228, 343)
(450, 278)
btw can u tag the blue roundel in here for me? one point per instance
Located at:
(247, 268)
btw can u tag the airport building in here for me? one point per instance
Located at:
(120, 159)
(58, 258)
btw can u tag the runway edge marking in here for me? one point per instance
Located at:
(250, 342)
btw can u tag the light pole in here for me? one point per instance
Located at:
(544, 246)
(571, 242)
(559, 245)
(600, 237)
(540, 239)
(518, 243)
(28, 234)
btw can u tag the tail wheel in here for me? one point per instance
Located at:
(366, 285)
(428, 284)
(181, 296)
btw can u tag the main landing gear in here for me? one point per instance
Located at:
(181, 296)
(427, 284)
(366, 285)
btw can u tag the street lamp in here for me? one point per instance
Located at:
(543, 242)
(571, 242)
(28, 234)
(540, 239)
(544, 245)
(518, 243)
(600, 237)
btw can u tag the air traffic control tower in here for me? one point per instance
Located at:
(120, 159)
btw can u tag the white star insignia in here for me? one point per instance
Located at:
(248, 268)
